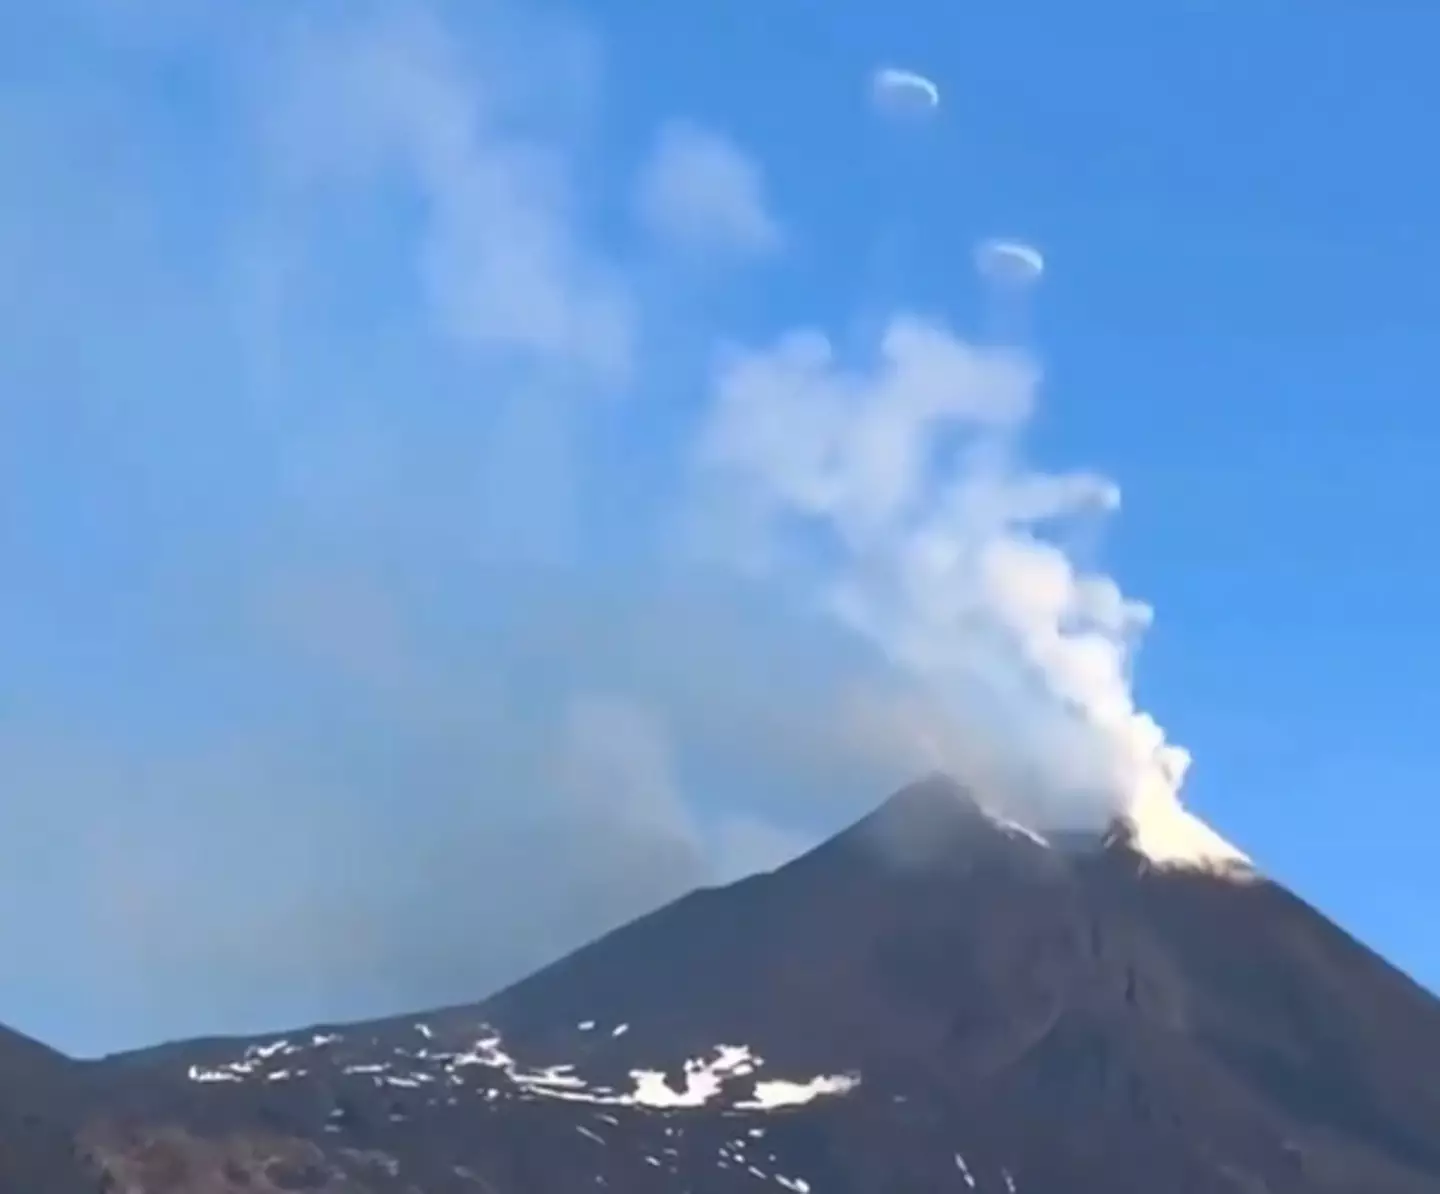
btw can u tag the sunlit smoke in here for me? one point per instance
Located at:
(895, 485)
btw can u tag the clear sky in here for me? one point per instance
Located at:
(362, 635)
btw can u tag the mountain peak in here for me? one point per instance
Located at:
(937, 813)
(933, 818)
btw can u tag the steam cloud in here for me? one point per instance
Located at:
(898, 489)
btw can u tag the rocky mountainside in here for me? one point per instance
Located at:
(933, 1000)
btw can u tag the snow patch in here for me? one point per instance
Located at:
(703, 1079)
(230, 1073)
(770, 1095)
(265, 1052)
(1015, 829)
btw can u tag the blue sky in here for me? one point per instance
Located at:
(371, 630)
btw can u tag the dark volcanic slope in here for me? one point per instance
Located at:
(990, 1015)
(37, 1097)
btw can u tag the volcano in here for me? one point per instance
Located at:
(935, 999)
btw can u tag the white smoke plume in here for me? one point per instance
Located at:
(894, 487)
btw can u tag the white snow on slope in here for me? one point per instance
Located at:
(723, 1075)
(703, 1079)
(226, 1073)
(770, 1095)
(1015, 829)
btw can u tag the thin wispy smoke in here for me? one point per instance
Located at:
(504, 264)
(700, 191)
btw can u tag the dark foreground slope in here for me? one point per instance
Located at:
(931, 1001)
(39, 1091)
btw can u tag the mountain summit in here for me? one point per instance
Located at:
(935, 999)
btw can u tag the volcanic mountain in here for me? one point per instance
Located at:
(934, 1000)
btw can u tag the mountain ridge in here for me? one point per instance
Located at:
(932, 998)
